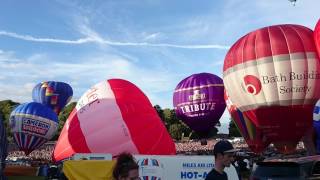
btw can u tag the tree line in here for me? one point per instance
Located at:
(176, 128)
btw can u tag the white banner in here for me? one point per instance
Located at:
(178, 167)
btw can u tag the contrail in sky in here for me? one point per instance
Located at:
(112, 43)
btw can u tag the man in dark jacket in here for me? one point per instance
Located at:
(224, 155)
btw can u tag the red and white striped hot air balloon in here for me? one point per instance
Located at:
(112, 117)
(273, 76)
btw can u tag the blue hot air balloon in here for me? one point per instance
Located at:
(32, 125)
(316, 124)
(199, 102)
(52, 94)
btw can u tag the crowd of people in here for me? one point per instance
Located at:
(191, 147)
(243, 159)
(41, 155)
(44, 153)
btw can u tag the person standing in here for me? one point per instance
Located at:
(223, 152)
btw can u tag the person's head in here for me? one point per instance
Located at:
(126, 168)
(224, 153)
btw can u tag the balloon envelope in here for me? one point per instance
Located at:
(32, 124)
(198, 101)
(272, 75)
(112, 117)
(316, 124)
(52, 94)
(253, 136)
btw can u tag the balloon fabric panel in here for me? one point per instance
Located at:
(141, 119)
(71, 139)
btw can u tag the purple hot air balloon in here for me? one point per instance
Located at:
(198, 100)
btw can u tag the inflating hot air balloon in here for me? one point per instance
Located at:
(32, 125)
(52, 94)
(198, 101)
(272, 75)
(112, 117)
(256, 141)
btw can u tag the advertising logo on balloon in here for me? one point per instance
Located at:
(251, 84)
(197, 96)
(35, 126)
(150, 168)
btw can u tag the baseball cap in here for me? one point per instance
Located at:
(223, 146)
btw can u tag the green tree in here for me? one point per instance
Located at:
(6, 108)
(233, 129)
(175, 131)
(168, 117)
(160, 112)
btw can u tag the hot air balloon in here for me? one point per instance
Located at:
(32, 125)
(112, 117)
(256, 141)
(198, 102)
(272, 76)
(52, 94)
(316, 125)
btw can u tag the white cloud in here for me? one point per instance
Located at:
(6, 55)
(16, 93)
(84, 29)
(94, 37)
(151, 37)
(48, 40)
(81, 75)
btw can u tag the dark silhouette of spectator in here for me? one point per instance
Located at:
(126, 168)
(3, 147)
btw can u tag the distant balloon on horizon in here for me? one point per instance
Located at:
(53, 94)
(198, 101)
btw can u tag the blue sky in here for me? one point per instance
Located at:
(152, 43)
